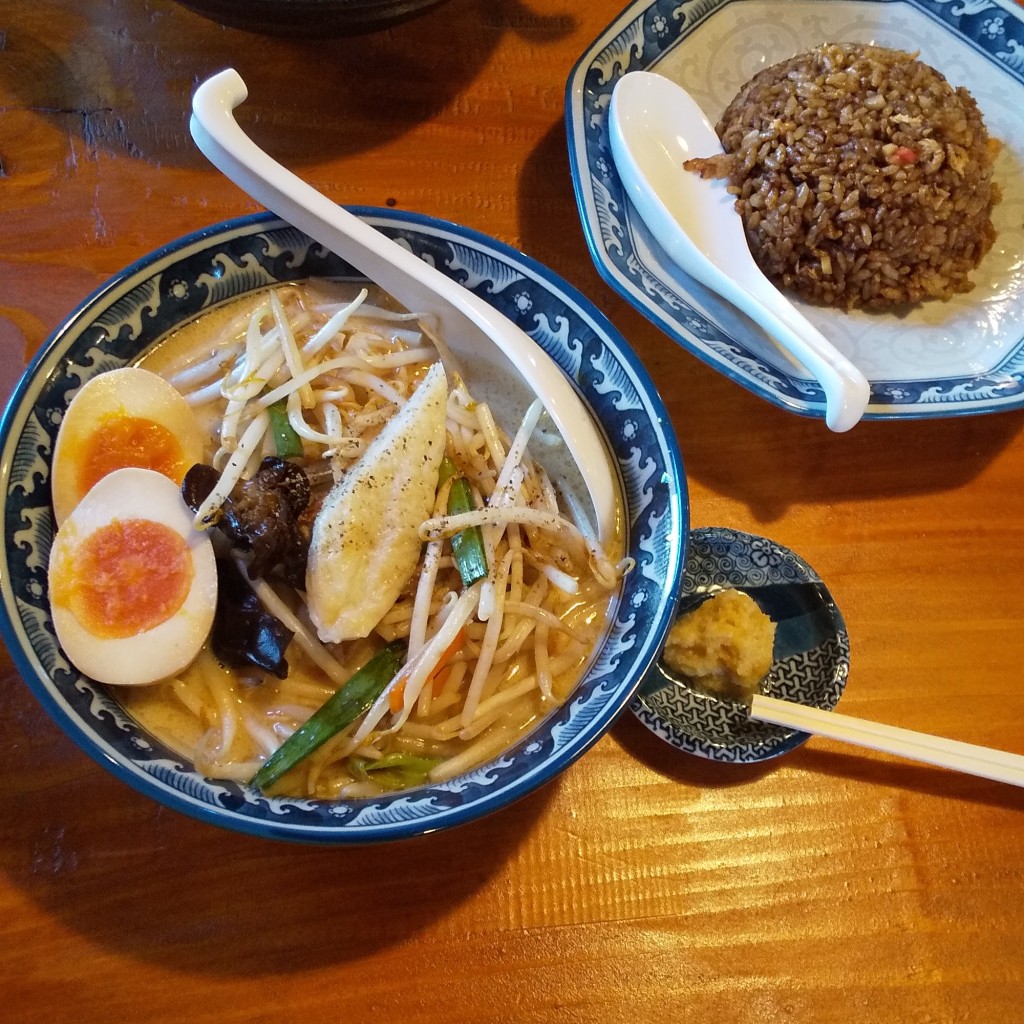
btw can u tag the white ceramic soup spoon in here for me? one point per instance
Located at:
(655, 125)
(468, 325)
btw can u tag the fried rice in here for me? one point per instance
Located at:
(863, 177)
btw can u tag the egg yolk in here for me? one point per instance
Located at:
(125, 578)
(120, 441)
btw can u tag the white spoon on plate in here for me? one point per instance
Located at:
(467, 324)
(654, 126)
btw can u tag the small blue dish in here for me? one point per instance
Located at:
(811, 655)
(145, 302)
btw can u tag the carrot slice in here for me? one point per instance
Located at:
(396, 698)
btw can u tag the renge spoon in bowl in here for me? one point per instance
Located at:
(655, 125)
(467, 324)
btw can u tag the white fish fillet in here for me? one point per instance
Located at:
(365, 542)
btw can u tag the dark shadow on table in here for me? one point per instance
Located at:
(122, 75)
(880, 770)
(676, 765)
(149, 883)
(724, 429)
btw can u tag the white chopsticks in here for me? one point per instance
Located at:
(918, 746)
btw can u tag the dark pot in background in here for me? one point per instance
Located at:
(308, 17)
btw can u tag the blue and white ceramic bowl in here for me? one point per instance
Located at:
(811, 659)
(941, 358)
(142, 304)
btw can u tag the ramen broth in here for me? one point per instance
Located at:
(229, 720)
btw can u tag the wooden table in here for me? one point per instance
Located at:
(833, 885)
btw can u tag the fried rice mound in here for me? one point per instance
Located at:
(864, 179)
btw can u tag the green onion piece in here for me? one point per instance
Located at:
(287, 442)
(448, 469)
(340, 710)
(468, 544)
(394, 771)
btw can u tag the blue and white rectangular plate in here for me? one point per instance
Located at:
(964, 356)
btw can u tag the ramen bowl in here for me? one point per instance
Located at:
(170, 287)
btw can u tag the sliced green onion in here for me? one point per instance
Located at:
(287, 442)
(468, 544)
(339, 711)
(447, 471)
(394, 771)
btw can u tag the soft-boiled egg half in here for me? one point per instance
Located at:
(126, 417)
(133, 584)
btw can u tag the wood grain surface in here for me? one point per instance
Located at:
(832, 885)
